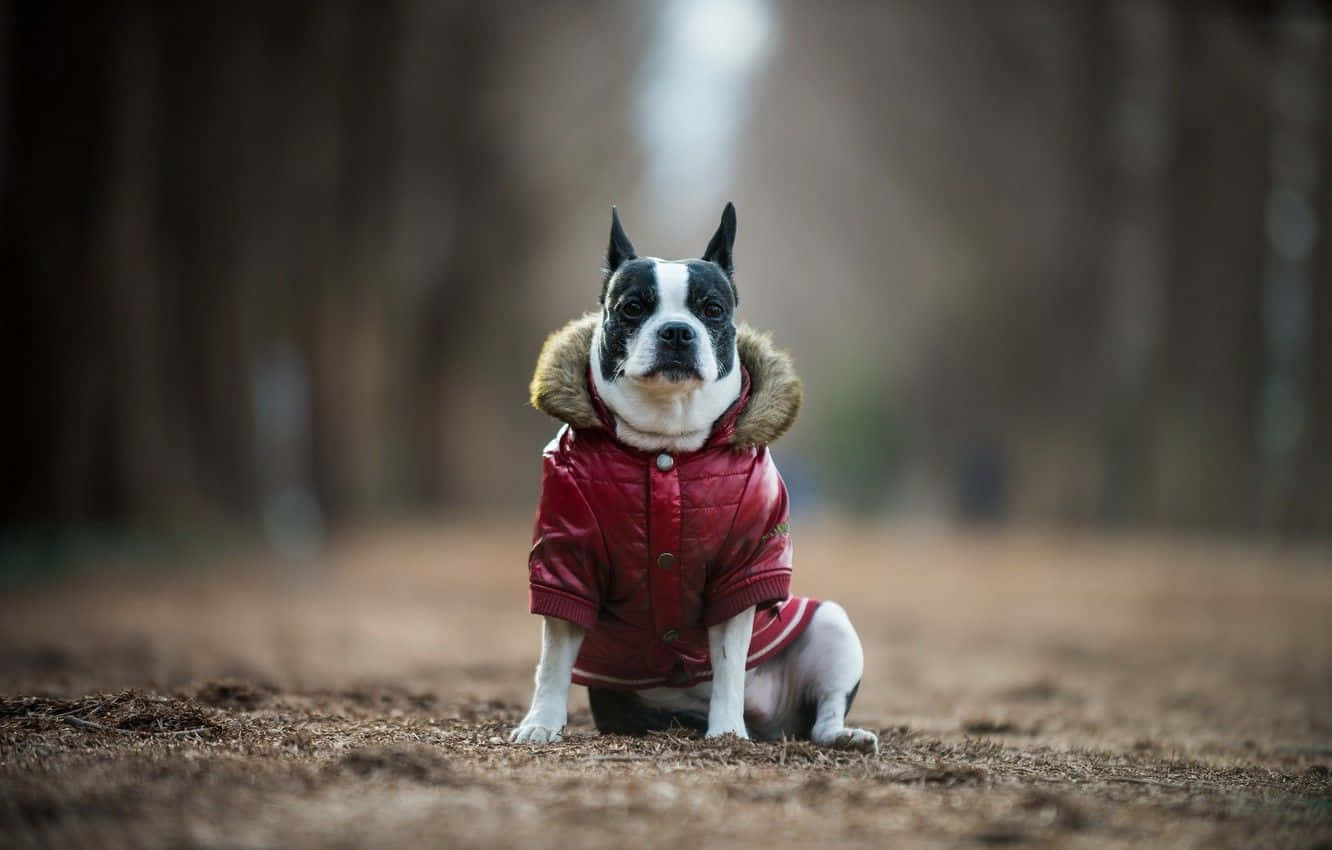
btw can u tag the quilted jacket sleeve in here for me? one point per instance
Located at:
(567, 549)
(755, 564)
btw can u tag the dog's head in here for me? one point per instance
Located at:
(667, 327)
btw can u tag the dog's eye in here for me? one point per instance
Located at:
(714, 310)
(631, 309)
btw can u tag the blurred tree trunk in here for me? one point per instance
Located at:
(1311, 511)
(60, 434)
(154, 466)
(1311, 508)
(1139, 236)
(1203, 452)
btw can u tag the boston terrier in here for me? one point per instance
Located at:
(661, 556)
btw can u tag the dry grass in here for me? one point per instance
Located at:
(1030, 691)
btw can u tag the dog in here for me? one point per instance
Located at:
(661, 555)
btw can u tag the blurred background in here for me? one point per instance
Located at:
(1057, 275)
(284, 270)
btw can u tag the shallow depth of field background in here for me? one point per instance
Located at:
(1058, 278)
(288, 269)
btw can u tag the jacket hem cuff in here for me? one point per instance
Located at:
(771, 589)
(553, 604)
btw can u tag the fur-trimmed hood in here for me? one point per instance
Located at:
(560, 383)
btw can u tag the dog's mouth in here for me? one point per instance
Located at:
(673, 370)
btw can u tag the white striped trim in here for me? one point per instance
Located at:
(586, 675)
(795, 621)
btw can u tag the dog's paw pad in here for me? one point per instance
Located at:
(860, 740)
(532, 734)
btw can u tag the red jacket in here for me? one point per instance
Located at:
(645, 550)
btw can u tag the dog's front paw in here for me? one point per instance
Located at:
(860, 740)
(531, 733)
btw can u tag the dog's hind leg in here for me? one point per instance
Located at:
(830, 664)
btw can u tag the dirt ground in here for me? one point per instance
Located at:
(1030, 690)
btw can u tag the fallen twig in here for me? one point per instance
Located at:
(102, 727)
(76, 710)
(88, 724)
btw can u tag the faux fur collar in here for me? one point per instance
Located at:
(559, 386)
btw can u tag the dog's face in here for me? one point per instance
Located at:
(668, 327)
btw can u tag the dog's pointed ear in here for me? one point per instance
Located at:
(719, 249)
(620, 250)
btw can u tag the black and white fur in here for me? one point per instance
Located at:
(664, 361)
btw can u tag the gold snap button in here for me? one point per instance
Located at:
(670, 636)
(665, 560)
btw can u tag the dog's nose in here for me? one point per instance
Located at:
(677, 334)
